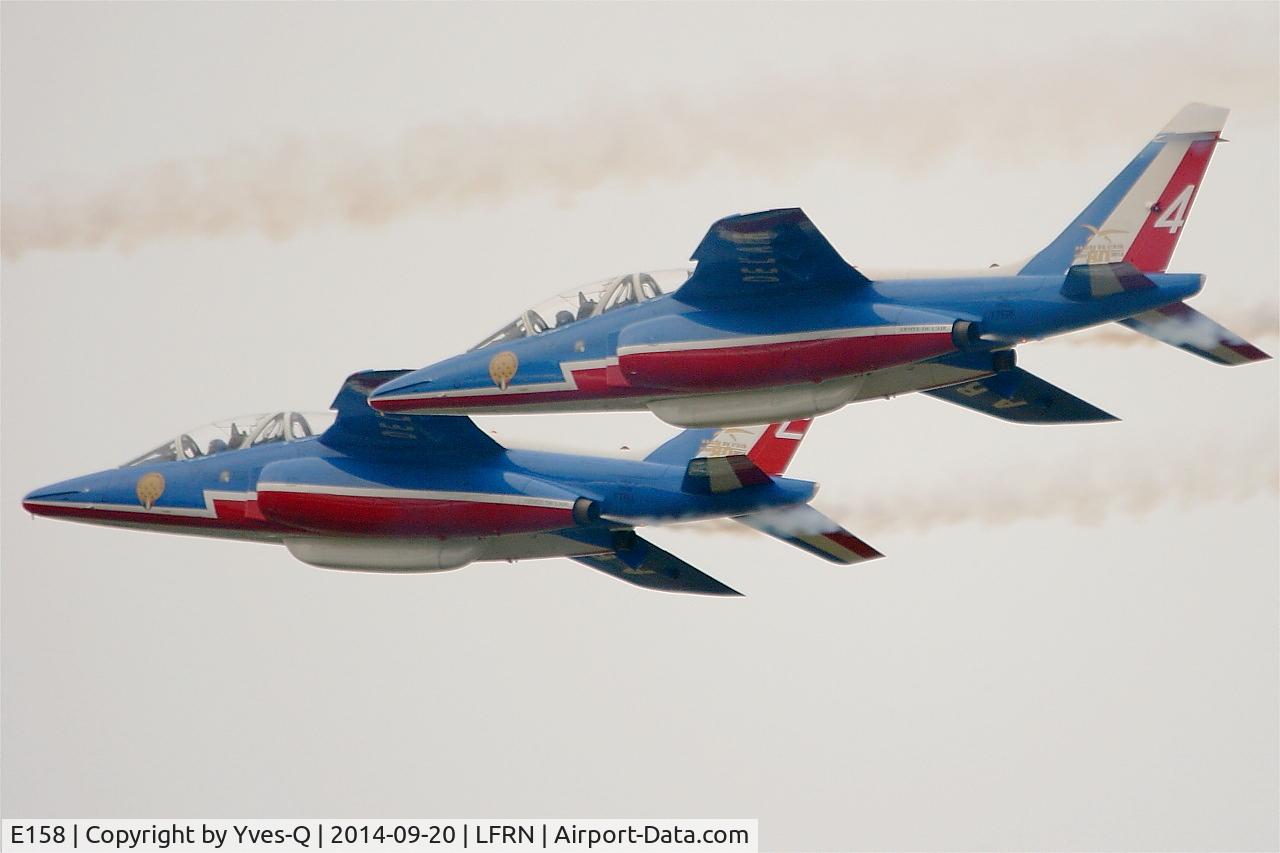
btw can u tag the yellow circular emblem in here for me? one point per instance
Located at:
(502, 367)
(150, 488)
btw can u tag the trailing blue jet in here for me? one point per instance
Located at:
(772, 324)
(405, 493)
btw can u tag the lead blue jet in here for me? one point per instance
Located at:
(772, 324)
(404, 493)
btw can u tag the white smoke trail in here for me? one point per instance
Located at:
(1086, 491)
(1259, 322)
(889, 117)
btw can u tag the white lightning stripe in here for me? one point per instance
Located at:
(789, 338)
(568, 383)
(414, 494)
(207, 511)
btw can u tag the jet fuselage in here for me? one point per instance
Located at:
(808, 354)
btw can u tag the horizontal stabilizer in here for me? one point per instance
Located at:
(761, 254)
(1021, 397)
(1184, 327)
(644, 564)
(805, 527)
(718, 474)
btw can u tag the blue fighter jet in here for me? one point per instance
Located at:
(772, 324)
(406, 493)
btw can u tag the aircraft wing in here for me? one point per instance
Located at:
(761, 254)
(367, 433)
(645, 564)
(1022, 397)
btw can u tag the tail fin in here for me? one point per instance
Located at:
(1138, 217)
(770, 448)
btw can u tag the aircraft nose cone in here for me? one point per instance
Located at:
(38, 501)
(407, 385)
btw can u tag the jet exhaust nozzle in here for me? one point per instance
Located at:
(967, 336)
(586, 511)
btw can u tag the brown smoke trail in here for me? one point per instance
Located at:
(1087, 491)
(892, 116)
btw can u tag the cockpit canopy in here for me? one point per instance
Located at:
(238, 433)
(589, 301)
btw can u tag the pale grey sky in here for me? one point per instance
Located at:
(218, 208)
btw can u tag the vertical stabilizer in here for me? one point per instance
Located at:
(1139, 216)
(770, 447)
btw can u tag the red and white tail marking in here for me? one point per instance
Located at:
(773, 451)
(770, 447)
(1153, 245)
(1144, 227)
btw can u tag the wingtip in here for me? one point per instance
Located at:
(722, 591)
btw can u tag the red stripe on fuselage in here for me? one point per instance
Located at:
(406, 516)
(743, 367)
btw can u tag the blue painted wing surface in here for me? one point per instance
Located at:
(1021, 397)
(761, 254)
(644, 564)
(363, 432)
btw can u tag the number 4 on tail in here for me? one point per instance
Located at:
(1175, 215)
